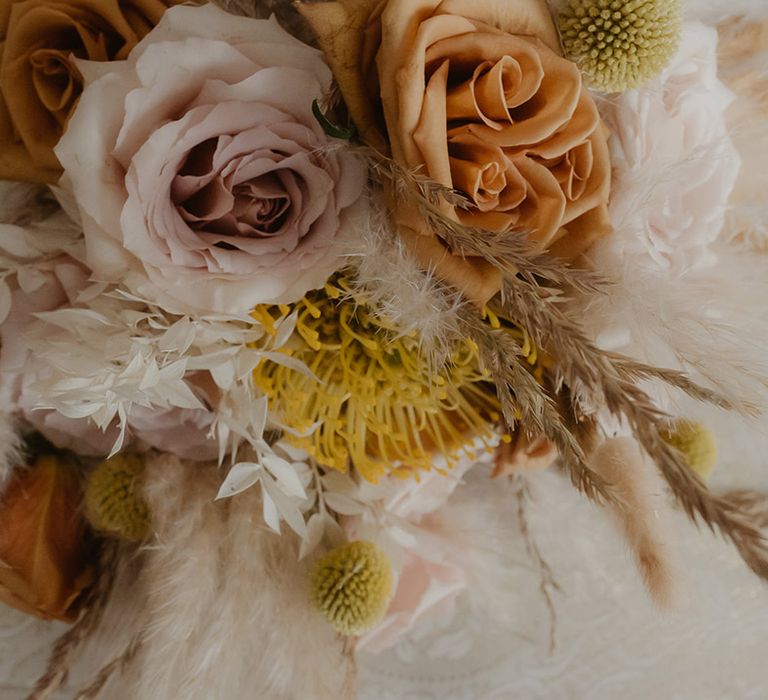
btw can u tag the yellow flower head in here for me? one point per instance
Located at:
(113, 501)
(351, 586)
(620, 44)
(375, 402)
(696, 443)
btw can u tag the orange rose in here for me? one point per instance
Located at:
(44, 550)
(39, 83)
(476, 96)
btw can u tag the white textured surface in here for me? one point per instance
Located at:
(612, 643)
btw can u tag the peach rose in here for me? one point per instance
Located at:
(39, 83)
(476, 96)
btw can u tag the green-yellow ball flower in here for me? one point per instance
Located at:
(113, 501)
(620, 44)
(696, 443)
(351, 586)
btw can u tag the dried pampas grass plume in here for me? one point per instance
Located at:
(755, 503)
(534, 290)
(399, 291)
(640, 511)
(227, 613)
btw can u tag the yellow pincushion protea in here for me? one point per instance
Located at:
(375, 402)
(351, 586)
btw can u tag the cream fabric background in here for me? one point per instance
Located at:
(612, 643)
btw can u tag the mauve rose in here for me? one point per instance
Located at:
(198, 166)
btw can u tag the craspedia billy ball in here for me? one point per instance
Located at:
(696, 443)
(351, 586)
(113, 501)
(620, 44)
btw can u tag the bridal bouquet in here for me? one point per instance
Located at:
(274, 277)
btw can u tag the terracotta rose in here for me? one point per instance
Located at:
(45, 550)
(40, 84)
(477, 96)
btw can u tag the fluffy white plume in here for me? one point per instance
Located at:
(702, 313)
(228, 613)
(641, 512)
(710, 321)
(400, 291)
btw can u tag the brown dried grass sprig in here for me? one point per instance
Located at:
(526, 402)
(71, 642)
(535, 285)
(118, 664)
(754, 503)
(609, 380)
(548, 584)
(513, 254)
(637, 371)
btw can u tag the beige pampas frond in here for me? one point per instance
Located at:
(640, 512)
(180, 574)
(610, 381)
(227, 612)
(400, 293)
(702, 321)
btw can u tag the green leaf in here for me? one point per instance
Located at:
(333, 130)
